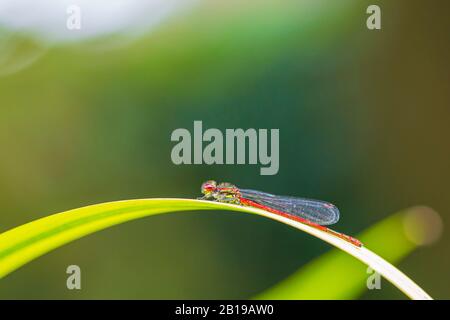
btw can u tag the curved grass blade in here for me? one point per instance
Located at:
(29, 241)
(394, 238)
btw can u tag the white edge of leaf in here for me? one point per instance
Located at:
(374, 261)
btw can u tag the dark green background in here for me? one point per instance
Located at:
(363, 118)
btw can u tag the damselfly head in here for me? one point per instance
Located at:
(208, 186)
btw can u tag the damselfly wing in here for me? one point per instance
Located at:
(316, 211)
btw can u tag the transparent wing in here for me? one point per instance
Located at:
(316, 211)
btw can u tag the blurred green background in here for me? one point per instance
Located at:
(363, 118)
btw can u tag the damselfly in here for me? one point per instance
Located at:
(314, 213)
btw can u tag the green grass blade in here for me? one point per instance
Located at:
(29, 241)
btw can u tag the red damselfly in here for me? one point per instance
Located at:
(314, 213)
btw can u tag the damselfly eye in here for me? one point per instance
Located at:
(208, 186)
